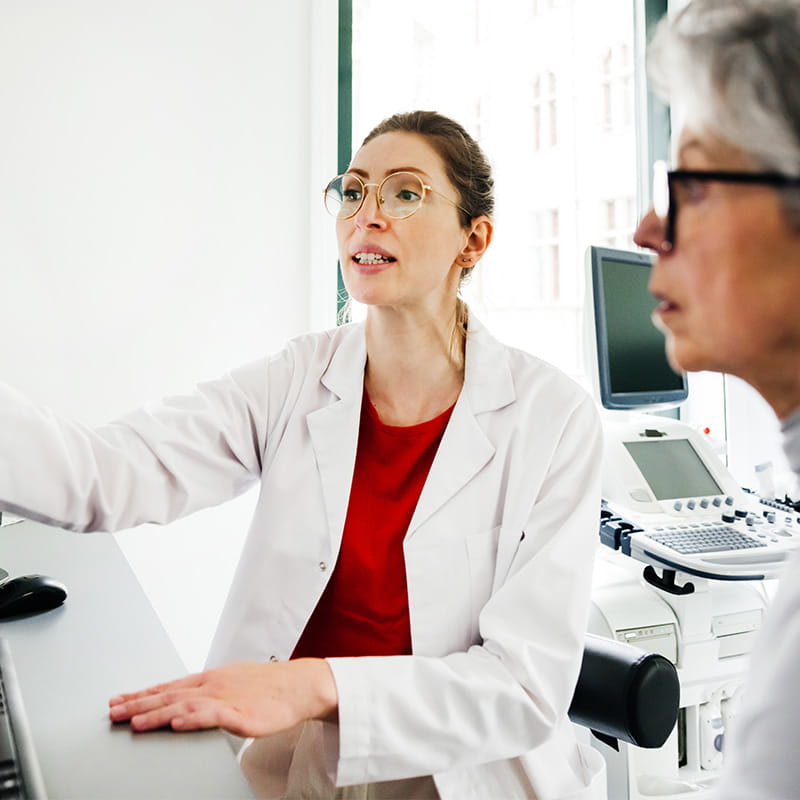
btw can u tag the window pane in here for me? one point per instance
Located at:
(556, 120)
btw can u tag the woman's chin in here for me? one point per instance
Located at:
(685, 357)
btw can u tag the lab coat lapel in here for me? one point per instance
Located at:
(465, 448)
(334, 428)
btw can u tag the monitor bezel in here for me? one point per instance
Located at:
(647, 400)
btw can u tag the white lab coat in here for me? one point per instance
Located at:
(498, 554)
(761, 748)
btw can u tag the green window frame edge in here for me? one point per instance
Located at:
(653, 125)
(344, 124)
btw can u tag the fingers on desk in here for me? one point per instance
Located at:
(175, 709)
(157, 706)
(247, 699)
(189, 682)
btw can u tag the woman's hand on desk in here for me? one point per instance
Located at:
(247, 699)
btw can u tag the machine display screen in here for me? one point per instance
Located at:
(673, 469)
(632, 366)
(636, 359)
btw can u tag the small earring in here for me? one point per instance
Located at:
(466, 260)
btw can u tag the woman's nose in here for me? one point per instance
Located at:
(370, 214)
(650, 232)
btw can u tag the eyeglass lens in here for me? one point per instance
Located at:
(663, 200)
(399, 195)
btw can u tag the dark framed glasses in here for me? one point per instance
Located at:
(672, 187)
(399, 195)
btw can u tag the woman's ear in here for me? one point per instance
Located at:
(479, 236)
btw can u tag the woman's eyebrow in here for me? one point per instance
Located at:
(694, 147)
(364, 174)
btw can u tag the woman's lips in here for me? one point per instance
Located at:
(665, 305)
(371, 259)
(370, 269)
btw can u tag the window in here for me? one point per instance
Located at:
(545, 112)
(616, 71)
(619, 219)
(557, 122)
(546, 264)
(543, 6)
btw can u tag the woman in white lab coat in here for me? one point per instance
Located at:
(727, 277)
(429, 655)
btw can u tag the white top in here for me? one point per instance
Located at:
(498, 554)
(763, 759)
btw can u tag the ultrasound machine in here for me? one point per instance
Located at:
(686, 553)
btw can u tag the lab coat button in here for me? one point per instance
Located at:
(322, 566)
(273, 658)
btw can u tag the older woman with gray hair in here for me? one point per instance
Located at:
(726, 230)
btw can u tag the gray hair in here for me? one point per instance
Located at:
(734, 65)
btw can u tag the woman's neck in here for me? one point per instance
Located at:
(413, 371)
(777, 379)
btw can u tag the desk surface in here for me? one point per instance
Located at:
(104, 640)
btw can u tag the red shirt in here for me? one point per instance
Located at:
(364, 608)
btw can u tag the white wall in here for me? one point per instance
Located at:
(157, 224)
(754, 438)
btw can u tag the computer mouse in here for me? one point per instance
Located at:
(28, 594)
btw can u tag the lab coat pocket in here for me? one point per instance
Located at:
(482, 558)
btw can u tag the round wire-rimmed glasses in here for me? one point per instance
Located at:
(399, 195)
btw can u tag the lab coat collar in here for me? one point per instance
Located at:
(464, 451)
(488, 383)
(333, 428)
(487, 375)
(465, 448)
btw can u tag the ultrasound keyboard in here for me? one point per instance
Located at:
(20, 776)
(740, 544)
(703, 538)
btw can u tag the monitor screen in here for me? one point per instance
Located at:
(673, 469)
(633, 371)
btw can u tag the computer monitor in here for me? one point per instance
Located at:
(626, 351)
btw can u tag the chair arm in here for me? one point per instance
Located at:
(626, 693)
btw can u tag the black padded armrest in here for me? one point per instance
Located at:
(625, 693)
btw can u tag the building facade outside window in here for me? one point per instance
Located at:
(557, 121)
